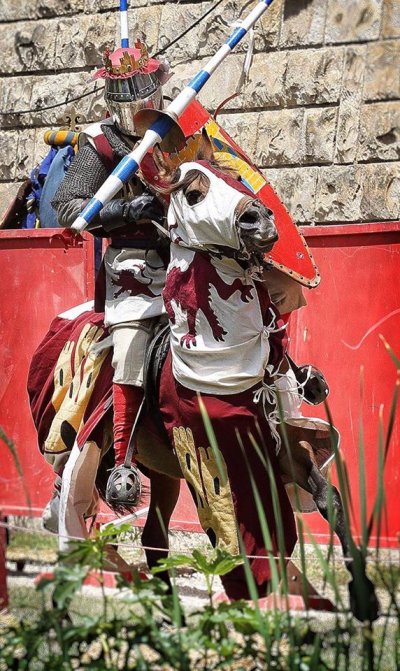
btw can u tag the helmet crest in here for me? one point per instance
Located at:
(127, 61)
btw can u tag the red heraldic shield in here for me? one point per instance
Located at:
(290, 254)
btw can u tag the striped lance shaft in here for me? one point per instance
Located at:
(123, 10)
(129, 165)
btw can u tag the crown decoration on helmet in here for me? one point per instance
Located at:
(129, 63)
(126, 62)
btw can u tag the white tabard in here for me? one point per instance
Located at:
(134, 282)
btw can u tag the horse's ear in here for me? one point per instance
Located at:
(160, 162)
(205, 152)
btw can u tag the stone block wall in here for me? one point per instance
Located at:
(320, 113)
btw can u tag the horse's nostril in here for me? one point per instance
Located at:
(268, 240)
(250, 216)
(256, 213)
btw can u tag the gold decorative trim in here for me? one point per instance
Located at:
(211, 488)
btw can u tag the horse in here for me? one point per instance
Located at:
(302, 457)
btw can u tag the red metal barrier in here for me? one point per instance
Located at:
(358, 299)
(43, 272)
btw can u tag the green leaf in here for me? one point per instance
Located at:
(174, 561)
(221, 562)
(13, 451)
(67, 581)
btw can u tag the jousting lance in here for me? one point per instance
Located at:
(161, 127)
(123, 11)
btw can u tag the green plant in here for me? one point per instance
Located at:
(143, 625)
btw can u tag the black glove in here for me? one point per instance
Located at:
(117, 213)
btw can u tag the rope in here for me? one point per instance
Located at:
(101, 88)
(185, 32)
(50, 107)
(134, 546)
(387, 615)
(268, 393)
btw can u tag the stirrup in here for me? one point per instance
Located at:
(124, 486)
(315, 387)
(312, 380)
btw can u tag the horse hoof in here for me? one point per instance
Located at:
(364, 603)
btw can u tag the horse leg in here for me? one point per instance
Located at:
(363, 601)
(300, 467)
(163, 498)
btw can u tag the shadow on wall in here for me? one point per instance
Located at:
(294, 7)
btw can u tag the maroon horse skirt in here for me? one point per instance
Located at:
(225, 481)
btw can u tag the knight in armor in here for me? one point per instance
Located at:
(134, 265)
(132, 277)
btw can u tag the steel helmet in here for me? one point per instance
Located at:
(133, 82)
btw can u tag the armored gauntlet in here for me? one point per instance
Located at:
(119, 212)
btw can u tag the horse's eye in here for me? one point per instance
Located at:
(194, 196)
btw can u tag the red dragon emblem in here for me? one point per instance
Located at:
(190, 289)
(127, 282)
